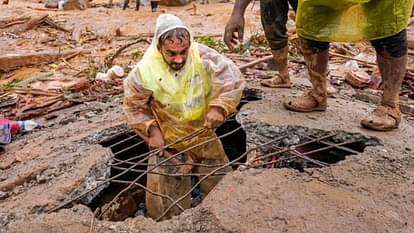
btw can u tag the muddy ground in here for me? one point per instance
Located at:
(372, 191)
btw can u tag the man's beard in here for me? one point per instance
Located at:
(176, 66)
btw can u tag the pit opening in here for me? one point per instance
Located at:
(308, 148)
(123, 146)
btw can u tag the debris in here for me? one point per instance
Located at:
(30, 23)
(8, 185)
(77, 33)
(112, 73)
(109, 60)
(253, 63)
(357, 78)
(13, 61)
(67, 4)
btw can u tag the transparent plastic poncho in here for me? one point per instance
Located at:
(351, 20)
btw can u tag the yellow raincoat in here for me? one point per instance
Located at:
(177, 102)
(351, 20)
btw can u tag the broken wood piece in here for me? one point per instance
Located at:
(357, 78)
(44, 111)
(12, 61)
(4, 23)
(76, 34)
(109, 59)
(69, 65)
(253, 63)
(37, 21)
(30, 91)
(41, 9)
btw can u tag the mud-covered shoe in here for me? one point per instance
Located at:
(383, 118)
(306, 103)
(276, 82)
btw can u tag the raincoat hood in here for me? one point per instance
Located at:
(165, 23)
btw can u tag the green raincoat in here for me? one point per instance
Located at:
(351, 20)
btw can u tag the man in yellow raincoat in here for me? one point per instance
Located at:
(382, 22)
(178, 88)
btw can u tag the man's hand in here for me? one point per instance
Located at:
(235, 24)
(214, 118)
(156, 139)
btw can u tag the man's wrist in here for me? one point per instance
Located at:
(153, 130)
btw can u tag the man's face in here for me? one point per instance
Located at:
(175, 51)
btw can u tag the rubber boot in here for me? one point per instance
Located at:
(281, 59)
(387, 116)
(315, 99)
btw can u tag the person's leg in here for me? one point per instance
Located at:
(215, 155)
(126, 2)
(175, 187)
(316, 56)
(137, 5)
(154, 6)
(392, 63)
(274, 16)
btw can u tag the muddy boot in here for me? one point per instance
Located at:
(281, 59)
(315, 99)
(387, 116)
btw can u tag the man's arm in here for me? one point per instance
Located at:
(227, 86)
(236, 24)
(138, 111)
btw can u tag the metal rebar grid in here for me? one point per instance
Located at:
(162, 162)
(171, 175)
(303, 156)
(334, 145)
(292, 147)
(123, 140)
(216, 170)
(155, 151)
(171, 165)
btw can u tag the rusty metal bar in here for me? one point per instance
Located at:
(214, 171)
(124, 140)
(148, 190)
(293, 147)
(171, 175)
(122, 173)
(127, 148)
(335, 145)
(172, 165)
(163, 161)
(156, 151)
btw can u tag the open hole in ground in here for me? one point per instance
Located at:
(127, 145)
(306, 148)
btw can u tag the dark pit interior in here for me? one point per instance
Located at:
(314, 148)
(132, 203)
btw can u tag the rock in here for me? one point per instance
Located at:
(3, 195)
(75, 5)
(68, 4)
(51, 4)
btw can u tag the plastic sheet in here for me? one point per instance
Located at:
(352, 20)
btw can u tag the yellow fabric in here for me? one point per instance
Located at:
(351, 20)
(181, 103)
